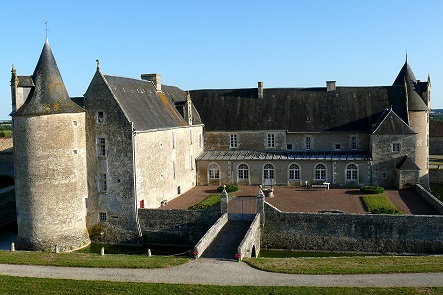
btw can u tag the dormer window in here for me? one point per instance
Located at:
(233, 141)
(308, 119)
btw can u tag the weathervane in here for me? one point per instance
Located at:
(46, 24)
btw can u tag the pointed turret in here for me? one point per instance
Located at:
(407, 79)
(49, 96)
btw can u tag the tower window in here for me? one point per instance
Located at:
(100, 117)
(101, 147)
(396, 147)
(102, 184)
(102, 216)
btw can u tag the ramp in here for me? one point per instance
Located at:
(227, 241)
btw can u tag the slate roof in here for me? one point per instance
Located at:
(25, 81)
(280, 155)
(144, 106)
(391, 123)
(407, 164)
(415, 101)
(298, 109)
(49, 95)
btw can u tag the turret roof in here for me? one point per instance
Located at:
(406, 76)
(49, 96)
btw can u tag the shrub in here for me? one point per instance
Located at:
(369, 189)
(229, 188)
(6, 180)
(380, 205)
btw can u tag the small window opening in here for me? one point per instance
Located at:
(100, 117)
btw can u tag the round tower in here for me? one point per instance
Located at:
(50, 163)
(418, 104)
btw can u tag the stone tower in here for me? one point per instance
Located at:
(50, 160)
(418, 97)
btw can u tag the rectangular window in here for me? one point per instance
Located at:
(200, 140)
(354, 143)
(74, 123)
(337, 146)
(270, 140)
(100, 117)
(289, 146)
(192, 162)
(307, 143)
(233, 141)
(190, 136)
(102, 184)
(173, 169)
(101, 147)
(102, 216)
(396, 147)
(384, 175)
(173, 140)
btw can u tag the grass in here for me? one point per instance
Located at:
(349, 265)
(8, 196)
(206, 203)
(379, 204)
(90, 260)
(36, 286)
(437, 190)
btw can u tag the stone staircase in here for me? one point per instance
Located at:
(227, 241)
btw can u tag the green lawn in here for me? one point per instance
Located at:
(90, 260)
(349, 265)
(379, 204)
(37, 286)
(206, 203)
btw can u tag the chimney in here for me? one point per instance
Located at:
(260, 90)
(330, 86)
(155, 79)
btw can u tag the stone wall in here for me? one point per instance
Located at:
(433, 201)
(210, 235)
(353, 232)
(436, 145)
(435, 176)
(250, 245)
(176, 227)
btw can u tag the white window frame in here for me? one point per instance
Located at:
(102, 183)
(354, 142)
(242, 172)
(320, 172)
(351, 172)
(233, 141)
(213, 171)
(101, 147)
(102, 216)
(294, 171)
(270, 140)
(308, 143)
(268, 170)
(396, 147)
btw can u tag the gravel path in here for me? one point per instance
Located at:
(219, 272)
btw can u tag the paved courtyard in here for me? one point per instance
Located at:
(296, 199)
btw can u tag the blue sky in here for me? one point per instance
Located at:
(226, 44)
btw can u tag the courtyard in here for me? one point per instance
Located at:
(298, 199)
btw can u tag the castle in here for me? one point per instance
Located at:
(135, 143)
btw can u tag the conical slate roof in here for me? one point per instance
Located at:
(49, 96)
(415, 101)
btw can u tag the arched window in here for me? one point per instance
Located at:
(320, 172)
(294, 172)
(213, 171)
(351, 172)
(268, 174)
(243, 172)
